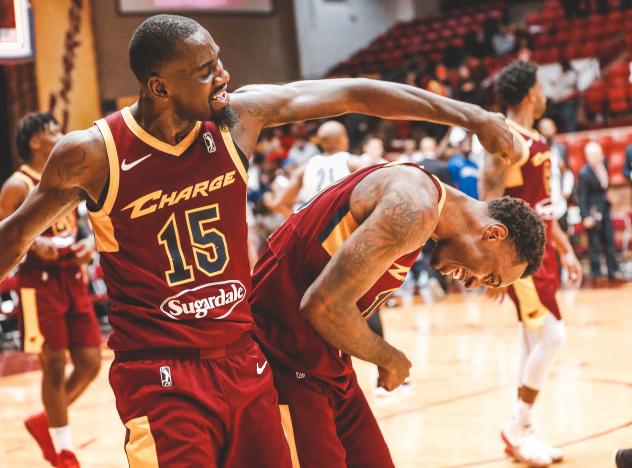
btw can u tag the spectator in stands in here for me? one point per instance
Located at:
(429, 158)
(566, 95)
(408, 150)
(627, 168)
(427, 150)
(373, 151)
(466, 88)
(439, 84)
(504, 41)
(594, 208)
(475, 44)
(463, 170)
(302, 149)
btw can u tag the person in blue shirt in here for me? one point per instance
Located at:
(464, 171)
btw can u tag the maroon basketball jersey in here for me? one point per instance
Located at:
(63, 232)
(530, 180)
(294, 257)
(171, 232)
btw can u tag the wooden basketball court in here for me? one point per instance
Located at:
(464, 354)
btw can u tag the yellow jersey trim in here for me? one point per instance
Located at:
(143, 135)
(339, 234)
(31, 172)
(26, 179)
(113, 163)
(530, 132)
(230, 146)
(532, 310)
(141, 446)
(33, 338)
(288, 430)
(103, 231)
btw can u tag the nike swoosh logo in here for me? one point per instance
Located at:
(126, 167)
(261, 369)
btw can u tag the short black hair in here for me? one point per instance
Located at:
(156, 41)
(515, 81)
(29, 126)
(526, 230)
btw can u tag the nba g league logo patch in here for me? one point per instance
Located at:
(165, 376)
(209, 142)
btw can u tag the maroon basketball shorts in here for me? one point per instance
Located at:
(56, 310)
(325, 429)
(534, 296)
(200, 411)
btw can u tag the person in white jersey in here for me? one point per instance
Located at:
(334, 163)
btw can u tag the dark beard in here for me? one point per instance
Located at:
(227, 117)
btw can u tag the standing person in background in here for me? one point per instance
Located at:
(542, 331)
(302, 149)
(627, 167)
(334, 163)
(463, 170)
(567, 95)
(373, 151)
(56, 312)
(594, 207)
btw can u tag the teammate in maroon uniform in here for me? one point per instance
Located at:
(56, 312)
(165, 183)
(329, 267)
(542, 329)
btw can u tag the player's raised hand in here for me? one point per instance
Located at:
(393, 375)
(44, 249)
(84, 250)
(498, 138)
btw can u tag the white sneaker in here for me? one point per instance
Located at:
(555, 453)
(527, 449)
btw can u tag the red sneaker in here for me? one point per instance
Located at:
(37, 425)
(67, 459)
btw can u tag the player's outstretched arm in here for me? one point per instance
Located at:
(401, 221)
(261, 106)
(76, 167)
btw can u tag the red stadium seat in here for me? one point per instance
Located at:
(617, 100)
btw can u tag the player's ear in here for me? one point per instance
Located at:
(35, 143)
(158, 87)
(495, 233)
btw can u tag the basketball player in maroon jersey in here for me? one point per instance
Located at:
(165, 183)
(56, 312)
(541, 326)
(330, 266)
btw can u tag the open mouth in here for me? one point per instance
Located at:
(219, 94)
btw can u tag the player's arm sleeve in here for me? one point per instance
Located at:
(399, 223)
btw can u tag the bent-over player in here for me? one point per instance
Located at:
(331, 265)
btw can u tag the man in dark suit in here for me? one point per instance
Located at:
(594, 208)
(627, 167)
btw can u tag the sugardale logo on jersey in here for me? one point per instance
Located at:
(214, 300)
(210, 143)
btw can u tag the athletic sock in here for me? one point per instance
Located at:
(62, 438)
(522, 413)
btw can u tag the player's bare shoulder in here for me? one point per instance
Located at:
(404, 199)
(79, 160)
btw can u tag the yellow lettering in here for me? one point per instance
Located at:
(137, 205)
(200, 188)
(167, 199)
(217, 183)
(540, 158)
(184, 194)
(229, 178)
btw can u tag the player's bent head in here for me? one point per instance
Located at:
(525, 231)
(36, 131)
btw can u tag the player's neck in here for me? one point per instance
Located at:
(460, 214)
(522, 115)
(164, 125)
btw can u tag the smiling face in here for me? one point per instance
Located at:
(195, 80)
(489, 259)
